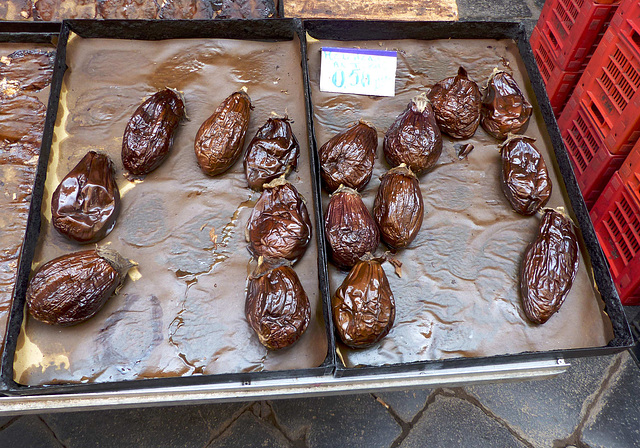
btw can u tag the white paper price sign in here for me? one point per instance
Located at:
(359, 71)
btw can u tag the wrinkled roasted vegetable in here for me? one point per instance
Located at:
(220, 139)
(31, 69)
(149, 133)
(363, 306)
(21, 119)
(349, 228)
(456, 103)
(549, 267)
(347, 159)
(504, 108)
(414, 138)
(279, 226)
(86, 204)
(273, 152)
(70, 289)
(398, 208)
(524, 177)
(277, 307)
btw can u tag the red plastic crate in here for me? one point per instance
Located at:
(559, 83)
(573, 28)
(610, 90)
(616, 218)
(630, 169)
(593, 164)
(626, 21)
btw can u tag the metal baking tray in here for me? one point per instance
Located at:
(392, 35)
(32, 34)
(268, 32)
(332, 377)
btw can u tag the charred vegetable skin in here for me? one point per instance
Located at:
(414, 138)
(549, 267)
(86, 204)
(363, 306)
(524, 177)
(347, 159)
(70, 289)
(349, 228)
(274, 151)
(398, 208)
(220, 139)
(279, 226)
(277, 308)
(149, 133)
(456, 103)
(504, 108)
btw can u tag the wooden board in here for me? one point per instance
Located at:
(373, 9)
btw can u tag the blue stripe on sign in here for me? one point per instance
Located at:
(386, 53)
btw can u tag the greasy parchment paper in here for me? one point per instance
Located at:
(15, 193)
(459, 293)
(182, 311)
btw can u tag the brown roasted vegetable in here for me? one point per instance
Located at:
(31, 69)
(273, 152)
(524, 177)
(349, 228)
(277, 307)
(363, 306)
(414, 138)
(549, 267)
(21, 119)
(70, 289)
(86, 204)
(504, 107)
(246, 9)
(456, 104)
(347, 158)
(279, 226)
(149, 133)
(398, 208)
(220, 139)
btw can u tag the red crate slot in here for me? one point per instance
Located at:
(592, 163)
(559, 83)
(609, 89)
(573, 28)
(616, 219)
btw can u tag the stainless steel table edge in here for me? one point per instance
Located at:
(277, 389)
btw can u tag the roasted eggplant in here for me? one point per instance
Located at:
(86, 204)
(279, 226)
(363, 306)
(414, 137)
(398, 208)
(273, 152)
(70, 289)
(347, 158)
(220, 139)
(549, 267)
(277, 308)
(148, 136)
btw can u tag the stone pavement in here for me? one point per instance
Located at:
(596, 403)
